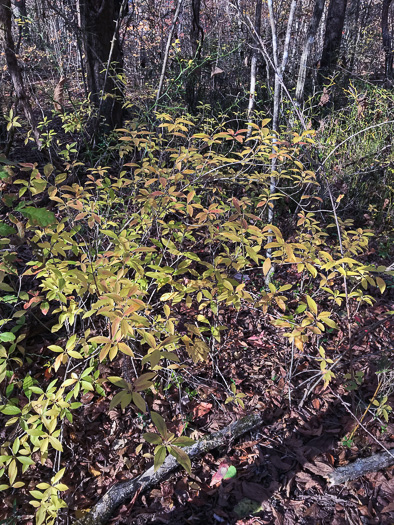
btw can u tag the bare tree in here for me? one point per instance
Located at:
(253, 65)
(22, 13)
(167, 51)
(196, 42)
(13, 66)
(352, 32)
(388, 70)
(309, 40)
(332, 37)
(100, 24)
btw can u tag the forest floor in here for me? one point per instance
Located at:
(280, 467)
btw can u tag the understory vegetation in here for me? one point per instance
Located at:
(132, 274)
(172, 262)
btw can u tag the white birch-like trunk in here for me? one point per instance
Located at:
(310, 38)
(253, 68)
(279, 70)
(167, 51)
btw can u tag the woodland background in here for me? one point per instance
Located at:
(196, 226)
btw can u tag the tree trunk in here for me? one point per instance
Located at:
(388, 70)
(352, 32)
(279, 70)
(253, 65)
(22, 13)
(333, 37)
(167, 51)
(13, 66)
(310, 38)
(196, 41)
(104, 62)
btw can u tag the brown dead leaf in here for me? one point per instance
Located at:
(201, 409)
(316, 403)
(388, 508)
(216, 71)
(319, 468)
(325, 97)
(304, 477)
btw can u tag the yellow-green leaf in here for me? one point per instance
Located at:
(312, 305)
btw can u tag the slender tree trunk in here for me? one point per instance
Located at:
(310, 38)
(13, 66)
(387, 39)
(352, 32)
(253, 66)
(196, 41)
(100, 20)
(279, 70)
(167, 51)
(22, 13)
(333, 37)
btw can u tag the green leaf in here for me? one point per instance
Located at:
(58, 476)
(116, 399)
(139, 401)
(43, 486)
(126, 399)
(144, 381)
(183, 441)
(182, 458)
(118, 381)
(152, 438)
(382, 285)
(38, 216)
(329, 322)
(312, 305)
(160, 456)
(159, 423)
(16, 445)
(6, 230)
(231, 472)
(55, 443)
(10, 410)
(36, 494)
(25, 460)
(61, 486)
(35, 432)
(7, 337)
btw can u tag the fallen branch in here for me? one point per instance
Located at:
(361, 467)
(120, 492)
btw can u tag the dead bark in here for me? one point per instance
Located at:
(120, 492)
(361, 467)
(13, 67)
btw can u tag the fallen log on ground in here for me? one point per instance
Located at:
(126, 490)
(361, 467)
